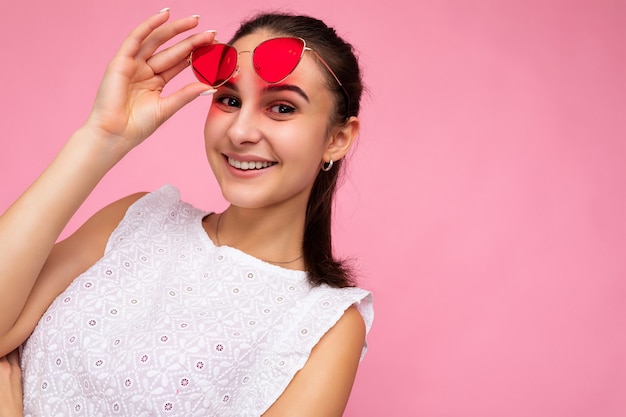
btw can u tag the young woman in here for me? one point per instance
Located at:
(156, 307)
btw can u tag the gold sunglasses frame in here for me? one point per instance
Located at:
(304, 48)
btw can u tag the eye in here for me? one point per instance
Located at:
(228, 101)
(282, 108)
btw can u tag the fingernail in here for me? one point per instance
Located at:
(166, 9)
(197, 16)
(208, 92)
(211, 31)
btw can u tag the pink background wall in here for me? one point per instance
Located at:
(486, 200)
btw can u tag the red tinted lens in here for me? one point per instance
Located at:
(214, 64)
(276, 58)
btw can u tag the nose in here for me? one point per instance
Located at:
(245, 127)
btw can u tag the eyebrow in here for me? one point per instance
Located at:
(287, 87)
(231, 85)
(273, 88)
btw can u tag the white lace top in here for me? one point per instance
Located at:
(168, 324)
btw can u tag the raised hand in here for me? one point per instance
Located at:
(129, 106)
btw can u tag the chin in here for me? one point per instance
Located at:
(245, 197)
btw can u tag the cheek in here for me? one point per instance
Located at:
(306, 146)
(213, 126)
(212, 134)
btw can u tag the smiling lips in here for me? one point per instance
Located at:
(247, 165)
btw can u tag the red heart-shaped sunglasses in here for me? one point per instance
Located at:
(273, 60)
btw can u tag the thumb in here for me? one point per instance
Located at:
(177, 100)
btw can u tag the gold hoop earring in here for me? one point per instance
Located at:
(327, 166)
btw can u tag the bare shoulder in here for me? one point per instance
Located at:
(87, 244)
(100, 226)
(351, 324)
(323, 386)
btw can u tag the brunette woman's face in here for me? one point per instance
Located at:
(265, 142)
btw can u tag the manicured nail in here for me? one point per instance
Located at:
(208, 92)
(197, 16)
(166, 9)
(211, 31)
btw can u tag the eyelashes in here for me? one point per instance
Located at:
(230, 103)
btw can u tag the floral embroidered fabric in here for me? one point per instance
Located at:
(168, 324)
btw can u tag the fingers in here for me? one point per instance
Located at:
(135, 39)
(171, 61)
(163, 34)
(177, 100)
(172, 72)
(151, 34)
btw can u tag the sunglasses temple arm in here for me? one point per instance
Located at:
(319, 57)
(343, 89)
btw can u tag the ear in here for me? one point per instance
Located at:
(341, 139)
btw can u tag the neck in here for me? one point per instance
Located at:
(271, 235)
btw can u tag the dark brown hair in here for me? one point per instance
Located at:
(321, 265)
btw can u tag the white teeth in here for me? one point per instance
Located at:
(245, 165)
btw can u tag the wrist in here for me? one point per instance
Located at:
(99, 146)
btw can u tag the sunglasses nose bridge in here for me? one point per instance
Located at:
(238, 69)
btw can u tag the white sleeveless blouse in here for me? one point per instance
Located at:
(168, 324)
